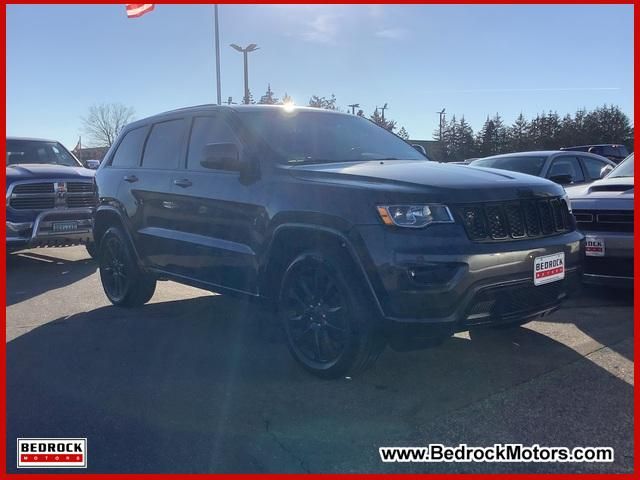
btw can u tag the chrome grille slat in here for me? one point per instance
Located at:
(43, 196)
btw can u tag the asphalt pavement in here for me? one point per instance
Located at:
(199, 382)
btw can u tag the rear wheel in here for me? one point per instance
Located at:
(124, 283)
(329, 331)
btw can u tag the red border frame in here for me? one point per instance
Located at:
(636, 309)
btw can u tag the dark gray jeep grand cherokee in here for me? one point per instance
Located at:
(355, 237)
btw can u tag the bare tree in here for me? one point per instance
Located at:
(105, 121)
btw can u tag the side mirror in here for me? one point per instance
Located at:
(606, 170)
(221, 156)
(562, 179)
(92, 164)
(419, 148)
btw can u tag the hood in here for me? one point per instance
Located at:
(47, 172)
(465, 183)
(610, 187)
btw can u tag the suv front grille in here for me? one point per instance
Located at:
(516, 219)
(48, 195)
(605, 220)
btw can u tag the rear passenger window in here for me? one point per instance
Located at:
(207, 130)
(164, 146)
(593, 167)
(130, 149)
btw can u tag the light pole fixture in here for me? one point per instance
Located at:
(249, 48)
(383, 108)
(353, 107)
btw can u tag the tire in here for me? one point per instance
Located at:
(124, 283)
(92, 250)
(329, 329)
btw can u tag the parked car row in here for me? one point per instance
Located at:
(351, 235)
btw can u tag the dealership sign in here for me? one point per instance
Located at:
(52, 453)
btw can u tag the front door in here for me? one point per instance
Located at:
(220, 215)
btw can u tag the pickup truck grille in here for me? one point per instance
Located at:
(515, 220)
(56, 194)
(604, 220)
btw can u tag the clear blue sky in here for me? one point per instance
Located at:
(472, 60)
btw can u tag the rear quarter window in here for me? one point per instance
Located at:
(129, 150)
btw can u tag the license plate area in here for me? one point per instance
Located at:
(64, 227)
(548, 268)
(594, 246)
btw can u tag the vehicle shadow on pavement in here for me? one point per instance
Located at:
(51, 272)
(207, 385)
(585, 311)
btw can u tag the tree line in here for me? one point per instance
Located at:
(457, 139)
(546, 131)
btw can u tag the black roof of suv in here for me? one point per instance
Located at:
(612, 151)
(355, 238)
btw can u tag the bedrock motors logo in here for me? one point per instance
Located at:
(52, 453)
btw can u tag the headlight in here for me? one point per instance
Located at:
(566, 199)
(414, 216)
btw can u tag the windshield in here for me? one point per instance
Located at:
(37, 151)
(320, 137)
(625, 169)
(529, 165)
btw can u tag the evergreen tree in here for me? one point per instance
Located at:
(386, 123)
(403, 134)
(466, 142)
(487, 138)
(323, 102)
(287, 99)
(268, 98)
(501, 139)
(518, 134)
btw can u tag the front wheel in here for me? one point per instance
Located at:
(329, 331)
(92, 250)
(124, 283)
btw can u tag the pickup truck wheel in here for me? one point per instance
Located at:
(123, 281)
(328, 330)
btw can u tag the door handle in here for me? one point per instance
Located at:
(183, 182)
(169, 205)
(130, 178)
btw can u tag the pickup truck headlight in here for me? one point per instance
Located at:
(414, 216)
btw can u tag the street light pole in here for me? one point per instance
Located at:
(245, 51)
(353, 107)
(441, 113)
(246, 77)
(217, 42)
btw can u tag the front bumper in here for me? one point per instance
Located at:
(615, 268)
(439, 280)
(40, 232)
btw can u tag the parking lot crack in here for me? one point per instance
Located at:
(287, 450)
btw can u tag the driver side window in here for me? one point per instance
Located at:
(566, 166)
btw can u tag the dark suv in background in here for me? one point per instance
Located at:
(354, 236)
(614, 152)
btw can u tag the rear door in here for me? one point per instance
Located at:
(121, 173)
(592, 167)
(162, 160)
(220, 215)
